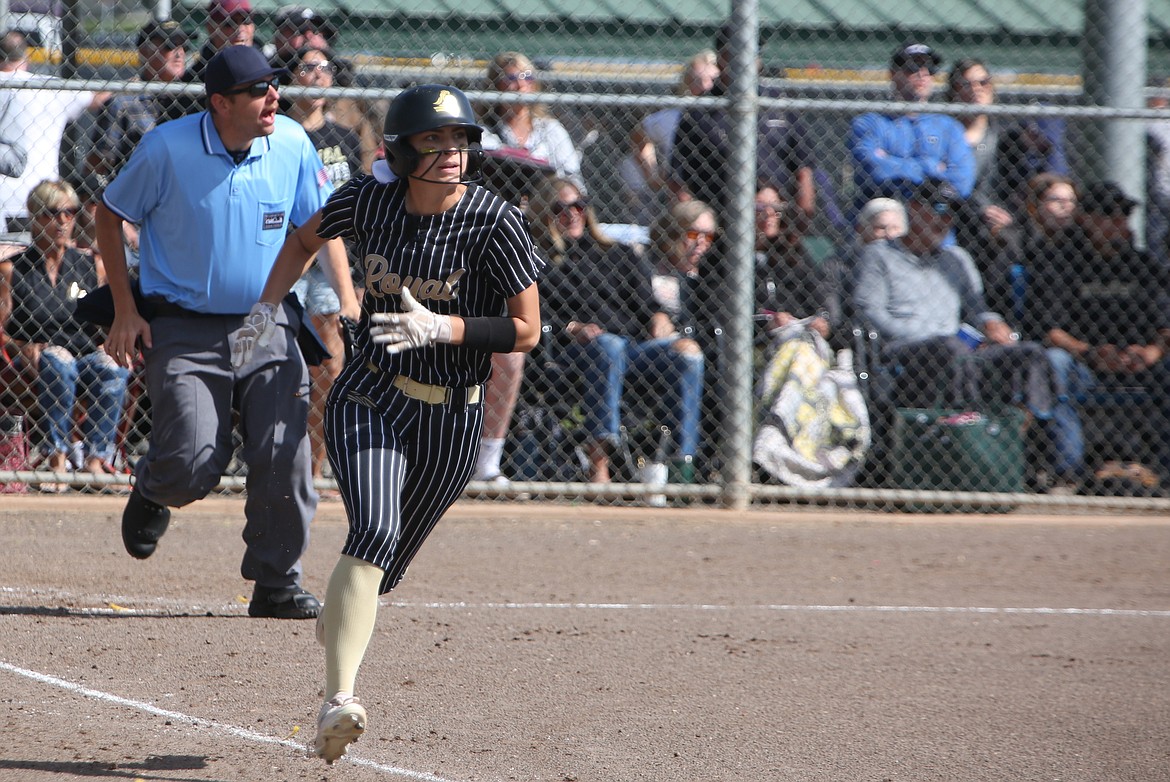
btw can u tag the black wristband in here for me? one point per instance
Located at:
(491, 335)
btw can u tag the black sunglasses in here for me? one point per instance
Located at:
(580, 204)
(257, 90)
(914, 66)
(67, 211)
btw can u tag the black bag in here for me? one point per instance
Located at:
(97, 307)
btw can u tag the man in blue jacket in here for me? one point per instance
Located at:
(893, 153)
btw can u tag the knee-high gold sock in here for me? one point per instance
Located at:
(351, 608)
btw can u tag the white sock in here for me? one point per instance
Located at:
(351, 609)
(491, 451)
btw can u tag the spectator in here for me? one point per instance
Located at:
(361, 116)
(527, 126)
(645, 170)
(918, 293)
(44, 283)
(1158, 178)
(880, 220)
(984, 214)
(681, 240)
(124, 119)
(340, 153)
(701, 156)
(790, 286)
(38, 117)
(601, 313)
(229, 23)
(1023, 281)
(1110, 325)
(1026, 281)
(297, 28)
(13, 150)
(893, 153)
(214, 193)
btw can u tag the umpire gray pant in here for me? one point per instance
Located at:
(192, 388)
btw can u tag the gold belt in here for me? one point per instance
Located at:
(437, 395)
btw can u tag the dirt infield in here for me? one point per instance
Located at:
(547, 642)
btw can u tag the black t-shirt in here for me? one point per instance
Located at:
(43, 312)
(702, 152)
(592, 284)
(340, 151)
(1113, 299)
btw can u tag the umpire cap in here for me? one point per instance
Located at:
(234, 66)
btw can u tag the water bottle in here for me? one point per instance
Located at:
(653, 471)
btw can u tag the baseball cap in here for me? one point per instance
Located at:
(222, 10)
(915, 52)
(233, 66)
(298, 16)
(169, 34)
(1107, 198)
(939, 194)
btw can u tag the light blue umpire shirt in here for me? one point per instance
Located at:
(210, 229)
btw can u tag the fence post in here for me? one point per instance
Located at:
(743, 95)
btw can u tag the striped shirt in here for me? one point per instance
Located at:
(466, 261)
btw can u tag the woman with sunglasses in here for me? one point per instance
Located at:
(1030, 280)
(44, 283)
(527, 126)
(1007, 155)
(984, 216)
(599, 308)
(789, 285)
(450, 274)
(680, 243)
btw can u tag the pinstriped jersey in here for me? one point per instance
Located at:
(467, 261)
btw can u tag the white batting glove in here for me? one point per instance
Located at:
(415, 327)
(256, 332)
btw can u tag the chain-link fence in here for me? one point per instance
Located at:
(728, 314)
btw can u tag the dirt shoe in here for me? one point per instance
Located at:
(341, 722)
(284, 603)
(143, 524)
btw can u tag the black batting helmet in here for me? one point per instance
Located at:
(426, 107)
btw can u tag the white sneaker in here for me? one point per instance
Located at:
(341, 722)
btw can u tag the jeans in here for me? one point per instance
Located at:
(1073, 381)
(100, 381)
(655, 369)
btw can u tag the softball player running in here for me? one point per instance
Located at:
(450, 274)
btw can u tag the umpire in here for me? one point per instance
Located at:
(213, 194)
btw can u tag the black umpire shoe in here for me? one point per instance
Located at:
(143, 523)
(283, 603)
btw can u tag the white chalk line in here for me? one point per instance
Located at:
(199, 722)
(164, 608)
(798, 608)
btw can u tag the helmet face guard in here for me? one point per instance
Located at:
(427, 107)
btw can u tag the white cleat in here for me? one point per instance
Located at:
(341, 722)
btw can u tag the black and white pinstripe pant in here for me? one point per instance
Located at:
(398, 471)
